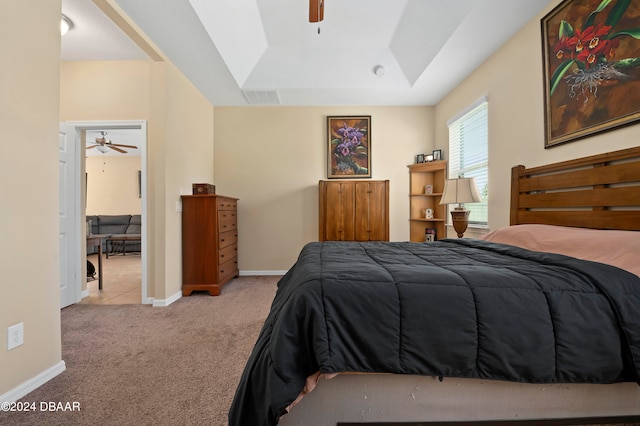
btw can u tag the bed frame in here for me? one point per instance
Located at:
(600, 192)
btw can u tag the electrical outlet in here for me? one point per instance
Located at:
(15, 335)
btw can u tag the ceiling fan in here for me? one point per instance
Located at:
(102, 143)
(316, 10)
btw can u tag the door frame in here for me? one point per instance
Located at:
(81, 126)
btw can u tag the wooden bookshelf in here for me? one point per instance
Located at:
(432, 173)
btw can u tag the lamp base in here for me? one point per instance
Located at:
(460, 219)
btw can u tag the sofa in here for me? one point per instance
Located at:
(116, 225)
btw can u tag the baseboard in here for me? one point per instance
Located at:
(161, 303)
(33, 383)
(258, 273)
(84, 293)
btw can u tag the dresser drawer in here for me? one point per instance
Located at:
(227, 270)
(227, 238)
(227, 220)
(227, 203)
(228, 253)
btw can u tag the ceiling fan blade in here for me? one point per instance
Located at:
(123, 146)
(115, 148)
(316, 10)
(101, 141)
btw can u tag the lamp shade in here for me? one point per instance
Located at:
(459, 191)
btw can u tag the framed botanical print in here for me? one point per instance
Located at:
(349, 147)
(591, 61)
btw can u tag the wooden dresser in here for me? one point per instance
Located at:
(209, 242)
(354, 210)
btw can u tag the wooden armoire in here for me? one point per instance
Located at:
(354, 210)
(209, 242)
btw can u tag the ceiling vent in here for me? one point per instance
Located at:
(262, 97)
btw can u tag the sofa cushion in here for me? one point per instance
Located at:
(135, 225)
(113, 224)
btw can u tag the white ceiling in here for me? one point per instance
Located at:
(245, 52)
(94, 37)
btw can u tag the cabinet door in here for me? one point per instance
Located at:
(339, 211)
(371, 207)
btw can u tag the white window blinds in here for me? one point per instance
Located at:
(469, 156)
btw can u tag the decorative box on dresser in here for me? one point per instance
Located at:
(209, 242)
(434, 174)
(354, 210)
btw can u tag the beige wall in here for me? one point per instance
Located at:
(38, 93)
(512, 80)
(179, 143)
(187, 158)
(272, 158)
(112, 185)
(29, 271)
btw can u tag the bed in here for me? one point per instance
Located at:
(510, 327)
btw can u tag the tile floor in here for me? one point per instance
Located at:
(122, 276)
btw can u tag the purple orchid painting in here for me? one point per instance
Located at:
(349, 154)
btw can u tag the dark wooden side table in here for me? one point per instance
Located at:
(96, 241)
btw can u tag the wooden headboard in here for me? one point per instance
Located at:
(601, 191)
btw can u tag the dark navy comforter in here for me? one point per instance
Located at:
(453, 308)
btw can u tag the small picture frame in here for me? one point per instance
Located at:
(419, 158)
(428, 214)
(437, 155)
(429, 157)
(430, 235)
(428, 189)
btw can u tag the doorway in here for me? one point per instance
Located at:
(86, 130)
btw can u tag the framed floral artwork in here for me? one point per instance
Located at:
(349, 147)
(591, 61)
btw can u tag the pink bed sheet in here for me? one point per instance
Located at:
(617, 248)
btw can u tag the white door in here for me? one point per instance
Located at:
(68, 205)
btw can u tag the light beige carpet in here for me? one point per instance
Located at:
(139, 365)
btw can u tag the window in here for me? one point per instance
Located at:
(468, 155)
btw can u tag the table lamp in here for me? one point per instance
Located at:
(460, 191)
